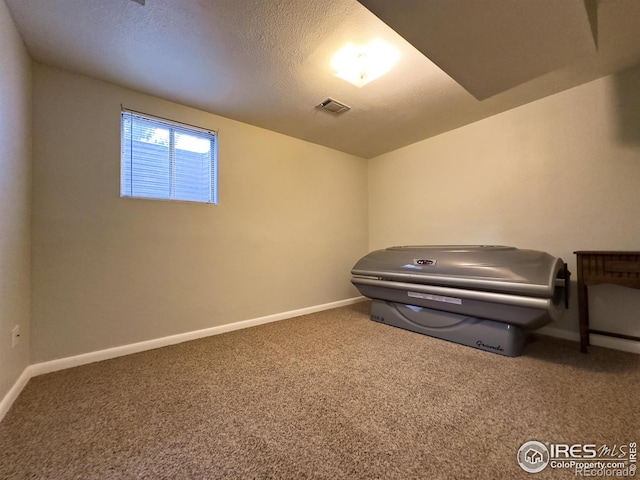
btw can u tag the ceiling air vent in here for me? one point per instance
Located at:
(334, 106)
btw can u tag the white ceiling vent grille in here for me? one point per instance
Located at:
(334, 106)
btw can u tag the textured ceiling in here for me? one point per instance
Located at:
(267, 62)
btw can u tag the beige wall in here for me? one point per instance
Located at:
(107, 271)
(559, 175)
(15, 203)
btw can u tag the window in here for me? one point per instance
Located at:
(167, 160)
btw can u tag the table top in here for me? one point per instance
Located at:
(606, 252)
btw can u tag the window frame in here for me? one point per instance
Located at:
(174, 128)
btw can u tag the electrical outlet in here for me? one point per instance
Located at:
(15, 335)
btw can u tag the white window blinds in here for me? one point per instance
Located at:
(167, 160)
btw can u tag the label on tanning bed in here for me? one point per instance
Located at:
(435, 298)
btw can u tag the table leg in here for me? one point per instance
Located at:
(583, 316)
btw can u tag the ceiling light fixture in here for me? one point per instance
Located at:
(360, 65)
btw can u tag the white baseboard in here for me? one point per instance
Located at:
(594, 339)
(14, 391)
(615, 343)
(559, 333)
(85, 358)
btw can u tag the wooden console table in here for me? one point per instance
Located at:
(595, 267)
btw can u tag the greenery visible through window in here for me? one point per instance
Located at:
(162, 159)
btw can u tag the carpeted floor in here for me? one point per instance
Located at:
(329, 395)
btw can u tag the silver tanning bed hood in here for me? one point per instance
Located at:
(458, 292)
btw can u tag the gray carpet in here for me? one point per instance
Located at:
(330, 395)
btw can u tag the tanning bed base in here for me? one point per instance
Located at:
(489, 335)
